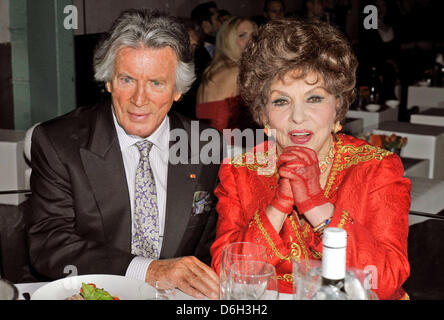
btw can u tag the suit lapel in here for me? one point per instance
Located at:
(180, 192)
(103, 164)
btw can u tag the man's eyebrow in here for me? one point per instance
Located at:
(124, 74)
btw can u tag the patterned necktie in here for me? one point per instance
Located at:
(145, 240)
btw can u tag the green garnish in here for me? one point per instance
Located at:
(89, 292)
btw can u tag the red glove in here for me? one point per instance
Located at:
(300, 165)
(283, 199)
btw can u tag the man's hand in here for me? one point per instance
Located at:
(188, 274)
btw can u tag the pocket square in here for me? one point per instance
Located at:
(201, 202)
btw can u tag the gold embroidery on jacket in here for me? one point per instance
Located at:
(352, 155)
(296, 231)
(263, 162)
(286, 277)
(268, 238)
(296, 248)
(345, 216)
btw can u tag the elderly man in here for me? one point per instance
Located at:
(106, 198)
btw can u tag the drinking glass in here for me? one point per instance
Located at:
(252, 280)
(306, 278)
(162, 290)
(234, 252)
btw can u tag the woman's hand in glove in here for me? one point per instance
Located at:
(301, 167)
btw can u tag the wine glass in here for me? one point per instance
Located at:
(252, 280)
(237, 251)
(157, 290)
(306, 278)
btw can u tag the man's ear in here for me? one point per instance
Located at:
(108, 86)
(177, 96)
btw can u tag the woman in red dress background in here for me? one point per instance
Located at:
(218, 99)
(298, 79)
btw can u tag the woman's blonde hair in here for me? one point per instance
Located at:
(227, 53)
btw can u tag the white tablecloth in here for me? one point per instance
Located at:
(427, 196)
(431, 117)
(32, 287)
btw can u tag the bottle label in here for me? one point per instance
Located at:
(333, 263)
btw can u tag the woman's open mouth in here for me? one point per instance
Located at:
(300, 136)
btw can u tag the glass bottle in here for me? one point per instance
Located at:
(333, 269)
(374, 87)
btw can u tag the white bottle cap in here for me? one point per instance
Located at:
(335, 238)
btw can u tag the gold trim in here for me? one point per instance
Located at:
(345, 216)
(268, 238)
(256, 161)
(296, 248)
(288, 277)
(352, 155)
(296, 231)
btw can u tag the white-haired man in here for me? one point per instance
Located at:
(105, 197)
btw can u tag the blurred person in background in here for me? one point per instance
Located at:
(332, 11)
(206, 18)
(218, 98)
(385, 41)
(224, 15)
(273, 9)
(186, 105)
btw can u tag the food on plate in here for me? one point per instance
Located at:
(89, 291)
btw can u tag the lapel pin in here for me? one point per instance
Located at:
(192, 176)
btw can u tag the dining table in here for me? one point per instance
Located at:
(430, 116)
(424, 142)
(26, 290)
(372, 119)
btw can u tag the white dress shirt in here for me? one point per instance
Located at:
(159, 163)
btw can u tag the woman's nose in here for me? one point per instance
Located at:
(298, 113)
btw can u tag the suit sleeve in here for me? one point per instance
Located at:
(378, 227)
(53, 240)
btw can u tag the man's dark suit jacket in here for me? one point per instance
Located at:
(81, 208)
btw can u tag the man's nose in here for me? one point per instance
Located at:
(140, 96)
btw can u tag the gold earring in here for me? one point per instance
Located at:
(267, 130)
(338, 127)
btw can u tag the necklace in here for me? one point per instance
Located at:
(323, 165)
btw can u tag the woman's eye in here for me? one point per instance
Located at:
(279, 102)
(315, 99)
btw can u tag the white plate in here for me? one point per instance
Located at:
(122, 287)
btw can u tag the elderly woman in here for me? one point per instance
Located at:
(298, 79)
(218, 99)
